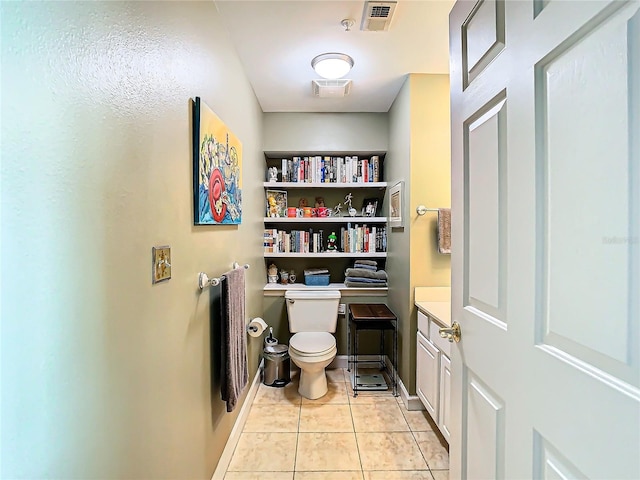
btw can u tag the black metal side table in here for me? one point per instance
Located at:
(371, 316)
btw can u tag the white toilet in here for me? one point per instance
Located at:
(313, 317)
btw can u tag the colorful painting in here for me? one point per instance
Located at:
(217, 168)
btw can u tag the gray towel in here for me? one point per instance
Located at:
(364, 273)
(364, 285)
(364, 280)
(235, 373)
(367, 262)
(444, 231)
(366, 267)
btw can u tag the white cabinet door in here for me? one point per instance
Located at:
(445, 396)
(427, 375)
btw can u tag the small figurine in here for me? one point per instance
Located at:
(331, 242)
(272, 273)
(336, 210)
(273, 174)
(273, 208)
(303, 202)
(347, 201)
(319, 202)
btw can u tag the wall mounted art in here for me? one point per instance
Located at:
(396, 205)
(217, 170)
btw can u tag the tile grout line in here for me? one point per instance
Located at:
(295, 454)
(353, 423)
(422, 454)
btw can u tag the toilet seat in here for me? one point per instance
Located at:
(312, 344)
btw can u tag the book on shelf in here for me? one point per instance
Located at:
(331, 169)
(355, 238)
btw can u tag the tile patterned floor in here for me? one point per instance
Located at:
(337, 437)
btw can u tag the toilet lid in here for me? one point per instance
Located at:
(312, 342)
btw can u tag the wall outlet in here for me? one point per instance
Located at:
(342, 308)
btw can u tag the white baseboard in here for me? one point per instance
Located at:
(238, 426)
(411, 402)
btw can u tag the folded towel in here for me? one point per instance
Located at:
(366, 267)
(444, 231)
(367, 262)
(364, 273)
(235, 374)
(365, 280)
(316, 271)
(364, 285)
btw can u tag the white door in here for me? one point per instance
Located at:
(546, 234)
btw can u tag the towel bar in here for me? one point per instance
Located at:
(421, 210)
(205, 281)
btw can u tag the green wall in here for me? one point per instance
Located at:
(419, 140)
(105, 375)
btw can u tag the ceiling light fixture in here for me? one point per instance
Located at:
(332, 65)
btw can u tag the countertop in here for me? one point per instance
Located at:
(435, 302)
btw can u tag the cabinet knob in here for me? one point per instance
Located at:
(452, 334)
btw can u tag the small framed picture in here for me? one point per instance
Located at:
(161, 263)
(276, 203)
(396, 205)
(371, 207)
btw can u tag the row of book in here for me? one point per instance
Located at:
(326, 169)
(351, 239)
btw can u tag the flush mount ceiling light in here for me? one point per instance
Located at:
(332, 65)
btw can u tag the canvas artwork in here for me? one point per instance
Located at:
(217, 168)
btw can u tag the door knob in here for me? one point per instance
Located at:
(453, 333)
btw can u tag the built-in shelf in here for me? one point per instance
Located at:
(337, 169)
(326, 255)
(279, 289)
(278, 185)
(358, 220)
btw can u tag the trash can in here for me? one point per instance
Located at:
(277, 365)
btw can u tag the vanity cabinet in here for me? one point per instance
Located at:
(444, 416)
(433, 372)
(427, 373)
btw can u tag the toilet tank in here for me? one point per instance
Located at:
(312, 310)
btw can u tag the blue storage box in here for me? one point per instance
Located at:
(316, 280)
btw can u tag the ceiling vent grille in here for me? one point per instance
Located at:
(331, 88)
(377, 16)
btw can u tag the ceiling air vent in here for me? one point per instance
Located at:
(331, 88)
(377, 16)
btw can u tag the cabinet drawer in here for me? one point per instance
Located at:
(423, 324)
(434, 335)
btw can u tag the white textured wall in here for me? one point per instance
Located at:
(103, 374)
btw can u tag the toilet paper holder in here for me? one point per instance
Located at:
(256, 327)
